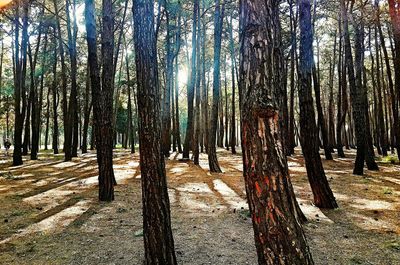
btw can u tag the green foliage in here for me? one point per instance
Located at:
(393, 244)
(7, 175)
(392, 159)
(387, 191)
(122, 119)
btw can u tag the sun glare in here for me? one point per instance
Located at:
(183, 76)
(3, 3)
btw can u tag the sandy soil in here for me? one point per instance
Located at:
(50, 214)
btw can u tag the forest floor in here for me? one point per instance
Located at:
(49, 212)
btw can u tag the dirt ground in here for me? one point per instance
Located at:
(49, 213)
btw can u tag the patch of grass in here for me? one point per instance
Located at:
(387, 191)
(356, 260)
(7, 175)
(391, 159)
(139, 233)
(393, 244)
(245, 213)
(18, 213)
(121, 210)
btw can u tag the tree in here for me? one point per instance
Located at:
(323, 196)
(358, 101)
(232, 139)
(71, 122)
(191, 87)
(279, 237)
(20, 61)
(394, 11)
(158, 240)
(102, 93)
(218, 23)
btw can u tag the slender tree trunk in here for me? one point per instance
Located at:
(394, 10)
(232, 140)
(380, 121)
(37, 96)
(46, 135)
(196, 147)
(342, 94)
(71, 124)
(87, 109)
(331, 108)
(218, 24)
(191, 87)
(55, 104)
(293, 51)
(323, 196)
(102, 98)
(19, 79)
(178, 130)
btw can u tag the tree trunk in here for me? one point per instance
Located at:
(177, 126)
(158, 240)
(394, 10)
(102, 93)
(218, 24)
(19, 79)
(323, 196)
(196, 147)
(192, 83)
(278, 235)
(71, 124)
(86, 112)
(232, 140)
(55, 104)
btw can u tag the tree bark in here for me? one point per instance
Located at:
(191, 86)
(218, 24)
(158, 240)
(55, 104)
(19, 79)
(394, 11)
(102, 93)
(323, 196)
(278, 235)
(232, 140)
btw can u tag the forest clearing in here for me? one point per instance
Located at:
(165, 132)
(53, 217)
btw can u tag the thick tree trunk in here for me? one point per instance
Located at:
(278, 235)
(323, 196)
(158, 240)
